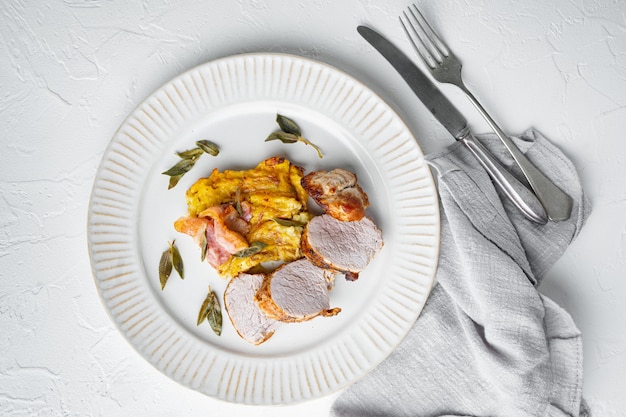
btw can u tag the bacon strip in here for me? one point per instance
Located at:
(216, 254)
(223, 231)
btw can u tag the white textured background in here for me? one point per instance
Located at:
(71, 70)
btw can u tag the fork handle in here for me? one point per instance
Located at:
(518, 193)
(557, 204)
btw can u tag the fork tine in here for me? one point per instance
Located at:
(423, 53)
(420, 33)
(434, 39)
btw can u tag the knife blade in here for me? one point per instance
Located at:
(443, 110)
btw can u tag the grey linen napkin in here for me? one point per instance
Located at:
(487, 342)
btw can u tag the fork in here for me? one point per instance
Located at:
(445, 67)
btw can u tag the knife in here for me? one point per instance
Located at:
(523, 198)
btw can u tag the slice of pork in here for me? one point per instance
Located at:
(337, 192)
(244, 313)
(346, 247)
(296, 291)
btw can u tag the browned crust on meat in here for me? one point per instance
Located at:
(345, 204)
(309, 185)
(310, 253)
(331, 312)
(266, 303)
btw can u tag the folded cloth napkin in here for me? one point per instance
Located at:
(487, 343)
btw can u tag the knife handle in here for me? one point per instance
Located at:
(558, 204)
(518, 193)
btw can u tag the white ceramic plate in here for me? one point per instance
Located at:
(233, 102)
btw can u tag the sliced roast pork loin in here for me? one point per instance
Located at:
(244, 313)
(346, 247)
(296, 291)
(337, 192)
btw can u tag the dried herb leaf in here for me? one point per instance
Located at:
(255, 247)
(212, 312)
(288, 222)
(317, 148)
(177, 260)
(214, 317)
(204, 246)
(238, 202)
(193, 153)
(173, 181)
(165, 267)
(290, 133)
(257, 269)
(182, 167)
(188, 159)
(284, 137)
(287, 125)
(208, 147)
(208, 303)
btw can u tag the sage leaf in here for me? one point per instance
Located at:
(208, 147)
(214, 317)
(204, 247)
(208, 303)
(255, 247)
(177, 260)
(212, 312)
(182, 167)
(238, 202)
(188, 159)
(165, 267)
(193, 153)
(284, 137)
(173, 181)
(287, 125)
(288, 222)
(290, 133)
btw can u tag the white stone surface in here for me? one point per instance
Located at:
(70, 72)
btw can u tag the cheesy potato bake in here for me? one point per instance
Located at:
(242, 219)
